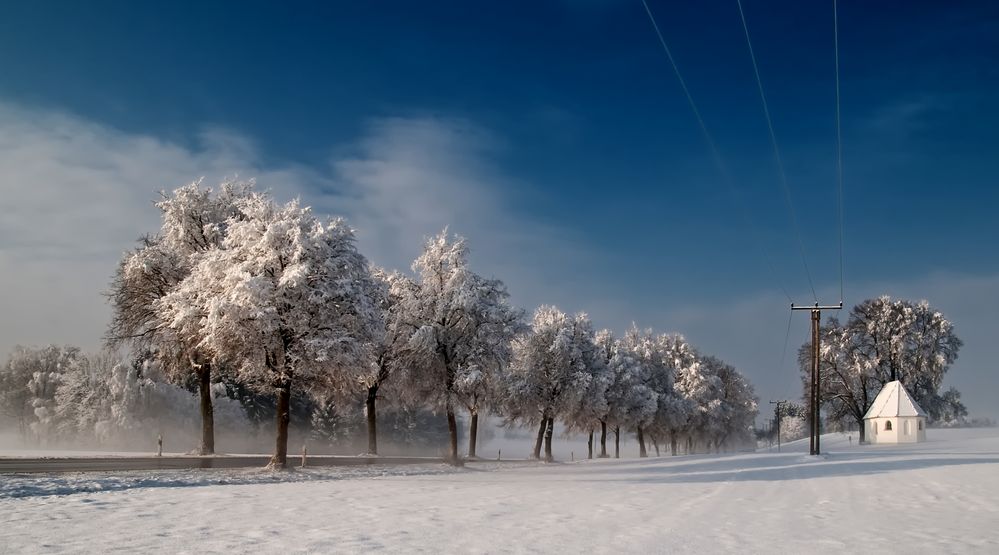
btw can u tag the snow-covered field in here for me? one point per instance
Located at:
(940, 496)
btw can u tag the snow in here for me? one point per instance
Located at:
(894, 400)
(937, 496)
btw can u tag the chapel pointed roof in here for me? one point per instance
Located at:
(894, 400)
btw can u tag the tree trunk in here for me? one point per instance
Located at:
(641, 444)
(655, 444)
(617, 442)
(603, 439)
(589, 445)
(207, 411)
(541, 437)
(22, 426)
(548, 439)
(452, 429)
(280, 457)
(863, 431)
(369, 409)
(473, 432)
(672, 444)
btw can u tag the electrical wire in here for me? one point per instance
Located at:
(715, 154)
(777, 157)
(787, 338)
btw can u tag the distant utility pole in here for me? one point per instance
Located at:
(813, 398)
(777, 419)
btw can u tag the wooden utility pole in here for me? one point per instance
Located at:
(814, 398)
(777, 419)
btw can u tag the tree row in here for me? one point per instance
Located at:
(236, 287)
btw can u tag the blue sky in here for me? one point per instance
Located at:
(553, 135)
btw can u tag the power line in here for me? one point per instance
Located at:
(777, 157)
(787, 337)
(686, 92)
(839, 148)
(715, 153)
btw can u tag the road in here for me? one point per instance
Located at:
(175, 462)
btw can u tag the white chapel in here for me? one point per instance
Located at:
(895, 417)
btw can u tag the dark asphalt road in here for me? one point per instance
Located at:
(175, 462)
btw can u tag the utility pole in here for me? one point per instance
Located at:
(777, 419)
(814, 399)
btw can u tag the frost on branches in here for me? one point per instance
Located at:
(195, 220)
(736, 409)
(617, 366)
(661, 388)
(72, 398)
(458, 325)
(284, 299)
(641, 385)
(555, 367)
(388, 350)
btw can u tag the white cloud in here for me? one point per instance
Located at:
(76, 194)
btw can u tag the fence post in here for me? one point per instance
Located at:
(305, 453)
(159, 445)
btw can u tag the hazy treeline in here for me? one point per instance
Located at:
(61, 396)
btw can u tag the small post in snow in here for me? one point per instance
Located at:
(159, 445)
(572, 456)
(499, 454)
(305, 454)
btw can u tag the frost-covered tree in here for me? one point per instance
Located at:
(14, 394)
(627, 396)
(195, 220)
(848, 384)
(459, 328)
(284, 299)
(15, 397)
(585, 414)
(388, 353)
(554, 366)
(792, 428)
(951, 411)
(738, 408)
(700, 385)
(83, 399)
(28, 384)
(638, 394)
(481, 390)
(906, 341)
(673, 356)
(616, 367)
(328, 424)
(116, 401)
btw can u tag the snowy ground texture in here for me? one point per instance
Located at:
(939, 496)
